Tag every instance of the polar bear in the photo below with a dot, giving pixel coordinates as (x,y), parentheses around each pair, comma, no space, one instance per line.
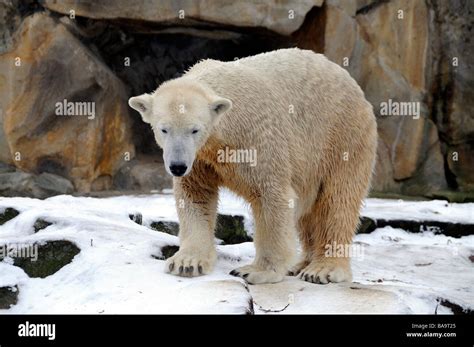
(314,137)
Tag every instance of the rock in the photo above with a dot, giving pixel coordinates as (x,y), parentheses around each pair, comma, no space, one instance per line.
(382,179)
(395,196)
(8,297)
(430,175)
(167,252)
(348,6)
(171,228)
(221,296)
(102,183)
(52,256)
(340,23)
(37,186)
(137,218)
(452,70)
(8,214)
(455,308)
(366,225)
(416,226)
(364,6)
(311,34)
(16,184)
(451,79)
(6,168)
(411,59)
(403,59)
(142,175)
(81,147)
(392,52)
(53,184)
(405,157)
(41,224)
(389,58)
(231,230)
(307,298)
(281,16)
(452,196)
(413,148)
(460,158)
(9,21)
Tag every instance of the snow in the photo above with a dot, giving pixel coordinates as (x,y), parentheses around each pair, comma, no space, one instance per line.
(434,210)
(117,270)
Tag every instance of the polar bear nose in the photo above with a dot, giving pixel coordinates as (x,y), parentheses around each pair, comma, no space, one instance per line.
(178,169)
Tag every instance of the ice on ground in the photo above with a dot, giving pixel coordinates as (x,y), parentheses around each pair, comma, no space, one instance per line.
(118,270)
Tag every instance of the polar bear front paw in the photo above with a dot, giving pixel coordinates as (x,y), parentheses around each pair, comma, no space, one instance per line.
(256,275)
(295,269)
(323,271)
(187,263)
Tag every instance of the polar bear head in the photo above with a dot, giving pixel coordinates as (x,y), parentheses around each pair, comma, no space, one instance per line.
(182,115)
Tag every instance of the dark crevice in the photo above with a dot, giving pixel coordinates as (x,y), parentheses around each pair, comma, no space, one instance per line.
(441,91)
(311,34)
(457,230)
(51,165)
(451,179)
(455,308)
(29,7)
(371,6)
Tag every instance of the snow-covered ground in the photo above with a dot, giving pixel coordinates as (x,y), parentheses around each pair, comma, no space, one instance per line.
(117,270)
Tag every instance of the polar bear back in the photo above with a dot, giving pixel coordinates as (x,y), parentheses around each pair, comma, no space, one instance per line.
(291,79)
(290,99)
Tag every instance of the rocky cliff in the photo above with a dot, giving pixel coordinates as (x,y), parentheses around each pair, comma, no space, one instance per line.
(413,59)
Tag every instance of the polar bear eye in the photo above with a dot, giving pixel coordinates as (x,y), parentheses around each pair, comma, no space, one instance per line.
(195,131)
(164,131)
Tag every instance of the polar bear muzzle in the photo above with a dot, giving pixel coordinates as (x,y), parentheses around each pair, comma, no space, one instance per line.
(178,169)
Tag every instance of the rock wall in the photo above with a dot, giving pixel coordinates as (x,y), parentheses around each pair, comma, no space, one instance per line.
(400,51)
(408,51)
(283,17)
(48,65)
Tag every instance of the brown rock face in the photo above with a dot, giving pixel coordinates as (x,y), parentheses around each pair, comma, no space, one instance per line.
(388,61)
(460,158)
(281,16)
(390,55)
(451,78)
(9,21)
(340,22)
(86,139)
(385,45)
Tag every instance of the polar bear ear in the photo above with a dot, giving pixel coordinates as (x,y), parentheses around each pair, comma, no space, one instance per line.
(220,106)
(142,104)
